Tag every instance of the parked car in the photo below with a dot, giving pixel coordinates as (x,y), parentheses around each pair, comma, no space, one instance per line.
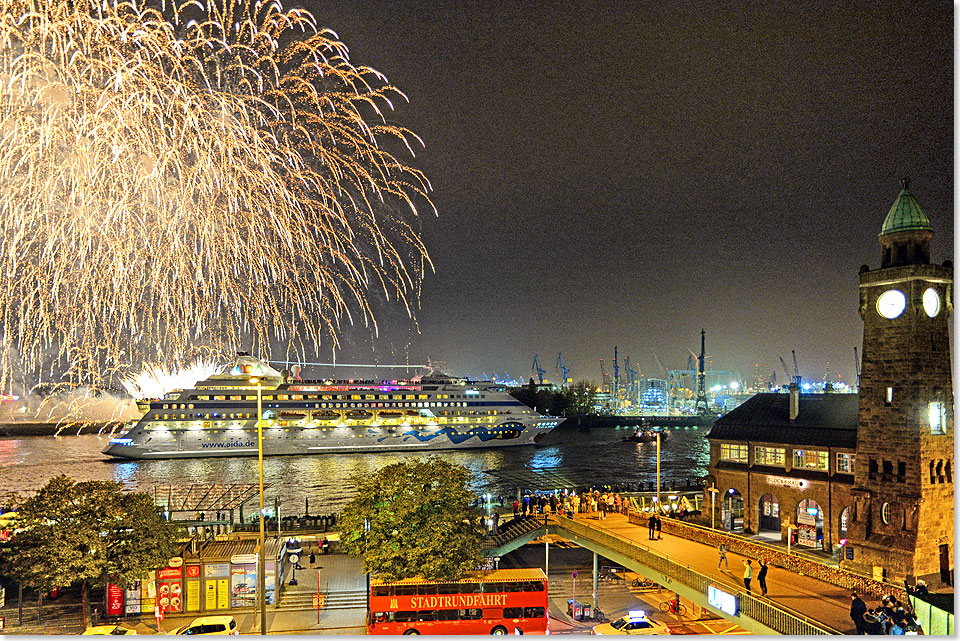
(636,622)
(109,629)
(209,625)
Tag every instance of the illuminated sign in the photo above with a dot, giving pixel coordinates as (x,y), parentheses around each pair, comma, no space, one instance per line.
(785,482)
(721,600)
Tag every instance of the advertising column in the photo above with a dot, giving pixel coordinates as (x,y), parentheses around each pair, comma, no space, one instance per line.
(170,587)
(216,588)
(114,600)
(193,588)
(243,580)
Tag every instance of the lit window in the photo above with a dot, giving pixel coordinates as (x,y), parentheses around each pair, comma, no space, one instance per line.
(885,513)
(938,417)
(845,462)
(811,459)
(736,453)
(769,456)
(889,397)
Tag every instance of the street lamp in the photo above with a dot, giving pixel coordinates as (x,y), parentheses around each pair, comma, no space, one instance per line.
(261,580)
(658,467)
(713,505)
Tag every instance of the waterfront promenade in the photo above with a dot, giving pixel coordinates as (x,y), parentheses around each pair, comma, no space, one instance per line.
(821,601)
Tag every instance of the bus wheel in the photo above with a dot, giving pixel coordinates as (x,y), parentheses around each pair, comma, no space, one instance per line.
(499,631)
(411,631)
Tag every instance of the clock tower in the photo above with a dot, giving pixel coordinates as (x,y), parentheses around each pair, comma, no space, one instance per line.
(902,518)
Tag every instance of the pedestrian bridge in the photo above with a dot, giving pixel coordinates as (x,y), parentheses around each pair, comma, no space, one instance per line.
(718,592)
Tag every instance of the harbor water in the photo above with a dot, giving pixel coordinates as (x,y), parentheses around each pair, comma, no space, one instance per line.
(579,456)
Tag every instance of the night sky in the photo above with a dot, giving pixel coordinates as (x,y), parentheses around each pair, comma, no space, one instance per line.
(629,173)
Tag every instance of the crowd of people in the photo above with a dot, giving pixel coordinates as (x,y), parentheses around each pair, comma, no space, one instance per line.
(889,617)
(570,503)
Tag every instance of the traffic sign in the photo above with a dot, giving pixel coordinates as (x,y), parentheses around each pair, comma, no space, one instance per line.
(319,601)
(574,574)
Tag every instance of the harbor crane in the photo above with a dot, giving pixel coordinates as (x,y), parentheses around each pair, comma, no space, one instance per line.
(785,368)
(660,363)
(604,378)
(796,369)
(701,378)
(616,379)
(539,371)
(561,370)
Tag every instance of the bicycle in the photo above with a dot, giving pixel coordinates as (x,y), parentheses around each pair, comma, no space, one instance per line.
(599,616)
(672,607)
(645,584)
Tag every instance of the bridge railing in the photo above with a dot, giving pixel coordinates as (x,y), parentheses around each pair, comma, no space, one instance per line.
(514,529)
(776,617)
(775,556)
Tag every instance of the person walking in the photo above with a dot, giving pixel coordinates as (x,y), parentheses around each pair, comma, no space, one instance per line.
(747,574)
(652,524)
(659,525)
(722,549)
(762,576)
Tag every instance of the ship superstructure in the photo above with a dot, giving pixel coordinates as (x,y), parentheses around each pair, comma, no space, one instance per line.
(218,417)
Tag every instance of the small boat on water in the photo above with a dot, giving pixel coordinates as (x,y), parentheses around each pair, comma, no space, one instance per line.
(644,436)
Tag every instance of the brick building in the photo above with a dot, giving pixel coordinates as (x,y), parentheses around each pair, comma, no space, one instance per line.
(872,471)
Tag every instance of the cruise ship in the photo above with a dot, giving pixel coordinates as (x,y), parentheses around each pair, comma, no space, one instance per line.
(218,417)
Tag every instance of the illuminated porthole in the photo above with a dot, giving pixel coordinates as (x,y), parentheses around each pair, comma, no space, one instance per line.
(885,513)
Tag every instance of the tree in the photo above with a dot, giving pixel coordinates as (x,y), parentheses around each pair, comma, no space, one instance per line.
(90,532)
(413,519)
(583,394)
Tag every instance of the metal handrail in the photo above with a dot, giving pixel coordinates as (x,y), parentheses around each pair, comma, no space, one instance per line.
(777,617)
(890,587)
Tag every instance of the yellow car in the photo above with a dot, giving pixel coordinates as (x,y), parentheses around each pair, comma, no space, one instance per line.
(209,625)
(109,629)
(636,622)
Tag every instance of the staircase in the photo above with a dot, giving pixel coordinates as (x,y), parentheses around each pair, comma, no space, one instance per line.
(514,533)
(296,599)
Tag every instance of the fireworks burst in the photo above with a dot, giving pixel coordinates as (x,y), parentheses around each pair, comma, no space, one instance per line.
(156,380)
(182,174)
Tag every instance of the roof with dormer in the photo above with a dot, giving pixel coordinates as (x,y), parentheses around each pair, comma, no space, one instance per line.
(906,213)
(828,420)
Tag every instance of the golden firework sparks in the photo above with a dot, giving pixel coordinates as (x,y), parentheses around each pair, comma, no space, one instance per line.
(175,174)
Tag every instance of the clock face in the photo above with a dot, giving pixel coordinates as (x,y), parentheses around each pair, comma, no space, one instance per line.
(931,302)
(891,303)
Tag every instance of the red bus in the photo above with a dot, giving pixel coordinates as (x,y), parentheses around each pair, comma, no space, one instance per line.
(483,602)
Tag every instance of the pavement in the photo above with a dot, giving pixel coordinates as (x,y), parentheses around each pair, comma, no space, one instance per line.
(817,599)
(615,597)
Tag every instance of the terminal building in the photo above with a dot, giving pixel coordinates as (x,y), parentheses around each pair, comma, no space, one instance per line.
(868,476)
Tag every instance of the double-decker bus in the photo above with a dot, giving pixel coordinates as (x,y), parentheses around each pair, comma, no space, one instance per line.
(484,602)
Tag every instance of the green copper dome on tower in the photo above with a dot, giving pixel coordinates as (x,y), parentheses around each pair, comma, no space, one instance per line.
(906,214)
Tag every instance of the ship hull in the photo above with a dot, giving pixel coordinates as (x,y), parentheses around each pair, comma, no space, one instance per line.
(313,441)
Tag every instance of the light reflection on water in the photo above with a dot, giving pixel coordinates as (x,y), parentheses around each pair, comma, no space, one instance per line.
(586,457)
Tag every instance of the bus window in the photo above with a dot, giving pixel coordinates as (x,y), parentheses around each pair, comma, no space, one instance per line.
(405,615)
(493,613)
(448,615)
(427,615)
(534,613)
(383,590)
(512,613)
(406,590)
(427,588)
(532,586)
(494,587)
(471,613)
(512,587)
(469,588)
(379,617)
(448,588)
